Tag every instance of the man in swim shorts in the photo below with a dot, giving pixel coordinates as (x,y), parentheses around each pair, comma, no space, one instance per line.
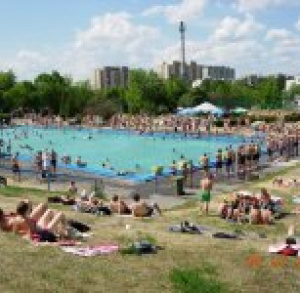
(205,196)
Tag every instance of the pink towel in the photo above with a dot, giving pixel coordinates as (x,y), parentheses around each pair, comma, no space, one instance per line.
(92,250)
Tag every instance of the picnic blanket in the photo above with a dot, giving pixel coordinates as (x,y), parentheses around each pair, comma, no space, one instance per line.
(91,250)
(288,250)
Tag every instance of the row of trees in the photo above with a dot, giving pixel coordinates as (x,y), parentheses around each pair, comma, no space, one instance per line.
(146,93)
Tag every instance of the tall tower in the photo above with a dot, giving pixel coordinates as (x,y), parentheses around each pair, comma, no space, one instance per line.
(182,29)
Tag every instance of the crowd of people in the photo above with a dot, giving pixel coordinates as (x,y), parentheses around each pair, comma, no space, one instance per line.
(252,208)
(173,123)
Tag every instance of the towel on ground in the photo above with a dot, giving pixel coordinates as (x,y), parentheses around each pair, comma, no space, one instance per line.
(91,250)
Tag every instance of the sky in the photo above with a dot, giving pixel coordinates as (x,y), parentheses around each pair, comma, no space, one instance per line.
(77,36)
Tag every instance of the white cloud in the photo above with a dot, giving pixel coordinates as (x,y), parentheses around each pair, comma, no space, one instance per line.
(235,28)
(297,25)
(185,10)
(251,5)
(110,39)
(278,34)
(27,63)
(114,38)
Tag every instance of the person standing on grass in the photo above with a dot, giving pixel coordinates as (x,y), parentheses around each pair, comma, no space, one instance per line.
(206,186)
(15,165)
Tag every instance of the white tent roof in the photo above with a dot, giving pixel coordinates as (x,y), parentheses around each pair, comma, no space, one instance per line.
(207,107)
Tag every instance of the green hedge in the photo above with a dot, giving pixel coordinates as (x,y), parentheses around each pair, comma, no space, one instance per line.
(6,117)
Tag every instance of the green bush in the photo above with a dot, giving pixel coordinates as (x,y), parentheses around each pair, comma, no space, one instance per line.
(196,281)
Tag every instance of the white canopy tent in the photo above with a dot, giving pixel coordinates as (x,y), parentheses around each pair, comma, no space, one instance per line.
(207,108)
(202,108)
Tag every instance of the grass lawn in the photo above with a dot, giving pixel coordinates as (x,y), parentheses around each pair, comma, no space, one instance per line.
(187,263)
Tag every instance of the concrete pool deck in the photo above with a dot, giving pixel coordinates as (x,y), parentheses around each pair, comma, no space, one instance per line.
(163,191)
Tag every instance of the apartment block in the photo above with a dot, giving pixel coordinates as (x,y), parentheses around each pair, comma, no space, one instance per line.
(195,71)
(109,77)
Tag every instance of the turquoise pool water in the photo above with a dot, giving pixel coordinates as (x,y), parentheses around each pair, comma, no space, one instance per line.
(123,150)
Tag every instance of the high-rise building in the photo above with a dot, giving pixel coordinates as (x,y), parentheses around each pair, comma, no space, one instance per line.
(195,71)
(109,77)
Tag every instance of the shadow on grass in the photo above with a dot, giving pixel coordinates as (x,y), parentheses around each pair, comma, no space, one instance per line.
(196,280)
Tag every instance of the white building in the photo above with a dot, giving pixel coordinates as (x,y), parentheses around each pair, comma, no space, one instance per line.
(292,82)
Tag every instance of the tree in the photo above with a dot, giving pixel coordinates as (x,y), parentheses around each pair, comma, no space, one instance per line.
(21,95)
(146,93)
(52,90)
(175,88)
(270,96)
(7,80)
(194,97)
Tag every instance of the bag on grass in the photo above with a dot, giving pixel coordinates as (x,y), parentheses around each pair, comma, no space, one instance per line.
(141,247)
(83,228)
(54,199)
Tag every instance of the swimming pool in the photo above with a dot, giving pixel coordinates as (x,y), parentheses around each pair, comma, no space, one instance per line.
(120,150)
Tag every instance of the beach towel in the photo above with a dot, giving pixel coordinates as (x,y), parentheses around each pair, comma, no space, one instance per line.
(64,243)
(284,249)
(91,250)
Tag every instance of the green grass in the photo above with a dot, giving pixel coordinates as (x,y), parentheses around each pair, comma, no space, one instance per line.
(197,280)
(188,263)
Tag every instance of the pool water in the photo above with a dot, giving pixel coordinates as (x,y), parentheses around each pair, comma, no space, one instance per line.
(123,150)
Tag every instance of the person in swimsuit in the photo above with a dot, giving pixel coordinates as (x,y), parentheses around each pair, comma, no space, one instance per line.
(205,163)
(15,165)
(119,206)
(40,222)
(5,224)
(53,161)
(206,186)
(219,162)
(140,208)
(241,161)
(228,161)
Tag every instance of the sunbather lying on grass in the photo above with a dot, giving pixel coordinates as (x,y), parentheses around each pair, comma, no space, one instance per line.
(119,206)
(290,183)
(38,224)
(140,208)
(91,204)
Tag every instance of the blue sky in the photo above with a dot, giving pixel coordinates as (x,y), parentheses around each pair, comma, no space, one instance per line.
(76,36)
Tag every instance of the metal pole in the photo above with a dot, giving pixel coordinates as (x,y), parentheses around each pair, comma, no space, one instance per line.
(48,180)
(182,35)
(155,185)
